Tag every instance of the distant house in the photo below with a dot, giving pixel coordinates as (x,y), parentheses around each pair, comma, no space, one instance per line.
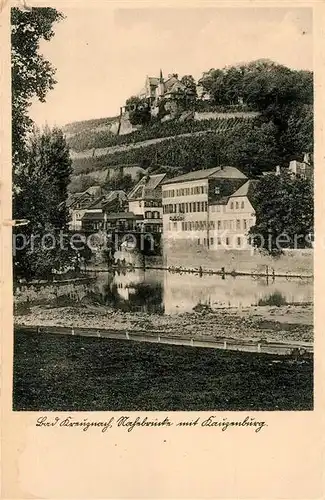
(156,88)
(78,203)
(95,217)
(302,168)
(145,199)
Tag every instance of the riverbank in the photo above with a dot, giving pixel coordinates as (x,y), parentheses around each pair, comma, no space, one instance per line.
(265,323)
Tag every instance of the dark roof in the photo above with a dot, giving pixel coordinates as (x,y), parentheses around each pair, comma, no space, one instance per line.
(108,198)
(124,215)
(146,186)
(93,216)
(112,216)
(215,172)
(221,201)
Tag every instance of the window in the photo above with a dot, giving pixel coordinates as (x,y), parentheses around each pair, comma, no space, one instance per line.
(148,215)
(227,241)
(198,206)
(217,190)
(175,226)
(239,241)
(198,241)
(232,205)
(237,224)
(237,205)
(186,207)
(242,204)
(245,223)
(183,226)
(204,241)
(211,241)
(194,206)
(219,224)
(218,241)
(205,203)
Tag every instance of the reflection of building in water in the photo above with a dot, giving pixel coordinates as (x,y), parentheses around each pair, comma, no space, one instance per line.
(184,291)
(126,282)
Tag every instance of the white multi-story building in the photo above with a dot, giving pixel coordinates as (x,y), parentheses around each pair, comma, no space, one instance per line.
(211,207)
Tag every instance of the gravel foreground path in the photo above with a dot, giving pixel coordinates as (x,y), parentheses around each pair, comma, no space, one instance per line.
(278,324)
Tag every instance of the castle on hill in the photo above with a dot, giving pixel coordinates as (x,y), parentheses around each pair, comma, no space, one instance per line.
(156,88)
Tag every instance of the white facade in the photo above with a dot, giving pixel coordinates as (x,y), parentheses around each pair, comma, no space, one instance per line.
(188,215)
(185,202)
(230,223)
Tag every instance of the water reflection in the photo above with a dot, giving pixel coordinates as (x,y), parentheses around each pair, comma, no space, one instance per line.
(161,291)
(129,291)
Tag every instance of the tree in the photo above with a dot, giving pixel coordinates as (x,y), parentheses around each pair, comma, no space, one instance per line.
(139,111)
(120,182)
(32,75)
(190,85)
(284,210)
(45,176)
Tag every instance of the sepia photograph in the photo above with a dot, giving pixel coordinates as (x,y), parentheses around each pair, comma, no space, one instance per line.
(163,208)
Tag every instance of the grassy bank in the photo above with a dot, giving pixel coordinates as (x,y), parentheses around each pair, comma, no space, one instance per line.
(73,374)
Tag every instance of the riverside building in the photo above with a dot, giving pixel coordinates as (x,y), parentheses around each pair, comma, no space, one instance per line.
(210,207)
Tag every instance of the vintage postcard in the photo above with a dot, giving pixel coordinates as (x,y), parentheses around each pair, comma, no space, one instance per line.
(162,244)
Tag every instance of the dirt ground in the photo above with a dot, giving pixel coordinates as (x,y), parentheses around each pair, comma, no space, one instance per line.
(284,323)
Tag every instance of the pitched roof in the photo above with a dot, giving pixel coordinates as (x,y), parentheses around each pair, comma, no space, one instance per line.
(146,186)
(215,172)
(108,198)
(176,87)
(92,190)
(246,189)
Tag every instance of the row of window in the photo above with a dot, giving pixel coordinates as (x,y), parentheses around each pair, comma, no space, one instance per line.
(171,193)
(152,203)
(227,241)
(152,215)
(183,208)
(239,225)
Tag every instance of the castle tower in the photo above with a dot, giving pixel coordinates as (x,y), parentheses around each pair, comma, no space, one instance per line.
(161,86)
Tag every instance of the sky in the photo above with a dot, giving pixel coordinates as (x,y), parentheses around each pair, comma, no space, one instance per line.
(102,55)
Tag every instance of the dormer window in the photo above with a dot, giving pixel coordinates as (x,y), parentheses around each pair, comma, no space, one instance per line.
(217,190)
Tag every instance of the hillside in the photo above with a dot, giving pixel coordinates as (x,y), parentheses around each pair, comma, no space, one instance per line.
(154,144)
(257,116)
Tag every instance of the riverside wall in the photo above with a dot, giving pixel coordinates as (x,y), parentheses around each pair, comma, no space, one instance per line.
(189,255)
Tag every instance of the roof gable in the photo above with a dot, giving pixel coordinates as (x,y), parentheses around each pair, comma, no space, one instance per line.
(216,172)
